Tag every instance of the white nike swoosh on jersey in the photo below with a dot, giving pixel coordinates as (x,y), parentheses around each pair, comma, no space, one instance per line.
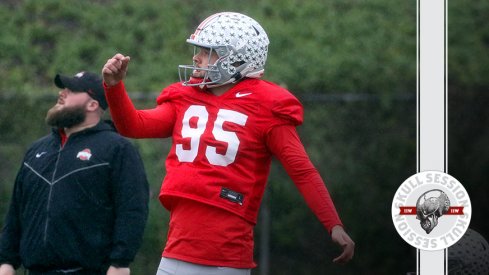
(238,94)
(38,155)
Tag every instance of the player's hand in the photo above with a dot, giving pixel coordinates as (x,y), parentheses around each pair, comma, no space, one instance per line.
(339,236)
(7,269)
(115,69)
(118,270)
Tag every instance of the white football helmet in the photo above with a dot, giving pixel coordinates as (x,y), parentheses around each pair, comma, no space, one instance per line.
(240,43)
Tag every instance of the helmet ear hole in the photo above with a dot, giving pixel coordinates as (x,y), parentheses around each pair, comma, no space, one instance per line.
(238,63)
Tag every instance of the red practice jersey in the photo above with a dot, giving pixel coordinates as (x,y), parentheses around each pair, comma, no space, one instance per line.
(219,154)
(219,163)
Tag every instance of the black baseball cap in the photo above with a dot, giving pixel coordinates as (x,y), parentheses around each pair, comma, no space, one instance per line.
(87,82)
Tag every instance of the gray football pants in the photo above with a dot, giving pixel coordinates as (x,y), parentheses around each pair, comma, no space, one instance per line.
(176,267)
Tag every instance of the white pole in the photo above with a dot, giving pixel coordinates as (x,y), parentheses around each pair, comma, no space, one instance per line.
(432,108)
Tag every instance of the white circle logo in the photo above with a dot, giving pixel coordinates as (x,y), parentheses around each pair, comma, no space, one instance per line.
(431,210)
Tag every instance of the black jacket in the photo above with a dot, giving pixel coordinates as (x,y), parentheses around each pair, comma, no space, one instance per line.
(83,205)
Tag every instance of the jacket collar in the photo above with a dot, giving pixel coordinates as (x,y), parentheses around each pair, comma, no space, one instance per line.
(103,125)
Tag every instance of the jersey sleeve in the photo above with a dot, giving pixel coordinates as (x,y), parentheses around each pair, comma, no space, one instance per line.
(168,94)
(285,107)
(130,122)
(284,143)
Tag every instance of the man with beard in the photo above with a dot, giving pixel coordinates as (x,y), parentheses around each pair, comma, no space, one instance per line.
(80,199)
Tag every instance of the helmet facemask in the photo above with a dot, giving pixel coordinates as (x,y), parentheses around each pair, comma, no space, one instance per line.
(212,74)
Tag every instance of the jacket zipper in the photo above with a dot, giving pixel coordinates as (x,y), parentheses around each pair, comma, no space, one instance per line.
(51,184)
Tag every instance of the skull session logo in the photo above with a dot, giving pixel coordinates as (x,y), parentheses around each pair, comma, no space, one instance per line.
(428,210)
(431,210)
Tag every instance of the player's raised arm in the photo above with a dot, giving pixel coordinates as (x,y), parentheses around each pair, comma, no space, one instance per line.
(130,122)
(115,69)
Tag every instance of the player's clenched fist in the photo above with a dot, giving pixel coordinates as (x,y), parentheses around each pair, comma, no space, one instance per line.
(115,69)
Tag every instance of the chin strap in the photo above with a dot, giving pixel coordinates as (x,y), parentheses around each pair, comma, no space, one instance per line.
(235,78)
